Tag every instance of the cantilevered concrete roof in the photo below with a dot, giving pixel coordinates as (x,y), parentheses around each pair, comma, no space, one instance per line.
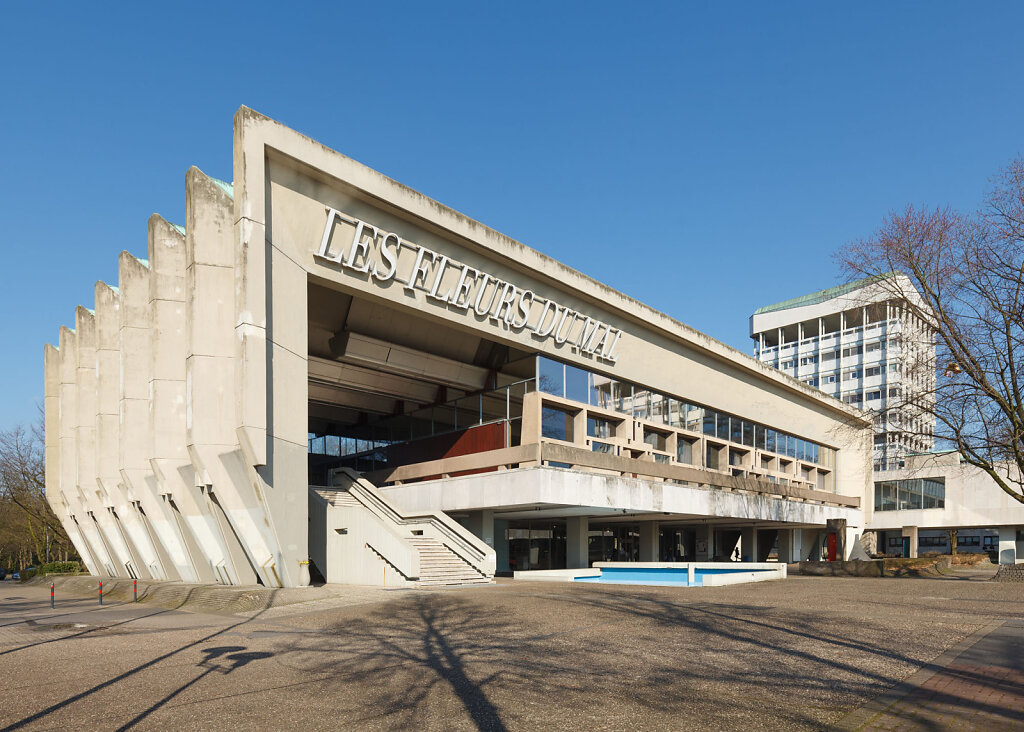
(822,295)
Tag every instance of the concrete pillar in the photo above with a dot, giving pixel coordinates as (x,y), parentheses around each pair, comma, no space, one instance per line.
(911,531)
(135,442)
(169,455)
(577,542)
(95,497)
(798,552)
(481,523)
(649,535)
(1008,549)
(748,544)
(704,543)
(248,503)
(501,545)
(108,426)
(271,346)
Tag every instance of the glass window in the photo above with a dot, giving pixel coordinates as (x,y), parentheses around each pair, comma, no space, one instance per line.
(709,421)
(723,426)
(622,396)
(641,403)
(694,417)
(552,376)
(711,458)
(577,384)
(556,424)
(597,427)
(659,408)
(684,452)
(770,440)
(656,440)
(736,431)
(759,437)
(600,391)
(604,447)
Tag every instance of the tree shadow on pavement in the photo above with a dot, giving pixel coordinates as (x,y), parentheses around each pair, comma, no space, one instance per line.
(134,671)
(444,661)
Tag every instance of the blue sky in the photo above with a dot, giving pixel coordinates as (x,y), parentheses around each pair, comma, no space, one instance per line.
(704,158)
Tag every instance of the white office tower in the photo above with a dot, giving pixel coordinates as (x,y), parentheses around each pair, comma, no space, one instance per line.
(859,343)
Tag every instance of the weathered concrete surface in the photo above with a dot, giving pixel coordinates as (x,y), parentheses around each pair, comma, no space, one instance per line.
(795,655)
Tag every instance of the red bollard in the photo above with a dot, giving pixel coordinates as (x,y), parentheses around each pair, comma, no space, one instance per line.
(101,593)
(51,596)
(135,590)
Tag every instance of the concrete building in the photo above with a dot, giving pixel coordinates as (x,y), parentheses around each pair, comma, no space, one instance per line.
(860,344)
(322,364)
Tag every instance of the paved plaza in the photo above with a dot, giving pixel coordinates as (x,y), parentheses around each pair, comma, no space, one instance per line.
(804,653)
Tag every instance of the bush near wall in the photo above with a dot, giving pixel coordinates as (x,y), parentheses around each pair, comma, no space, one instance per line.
(27,574)
(60,568)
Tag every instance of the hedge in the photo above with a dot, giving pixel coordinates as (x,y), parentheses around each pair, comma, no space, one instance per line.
(60,568)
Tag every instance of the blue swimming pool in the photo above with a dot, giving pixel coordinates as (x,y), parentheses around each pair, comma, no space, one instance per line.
(660,576)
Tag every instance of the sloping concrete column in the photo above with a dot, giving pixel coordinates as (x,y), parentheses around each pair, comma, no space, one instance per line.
(170,459)
(271,323)
(577,542)
(108,426)
(135,442)
(59,502)
(95,498)
(77,508)
(237,490)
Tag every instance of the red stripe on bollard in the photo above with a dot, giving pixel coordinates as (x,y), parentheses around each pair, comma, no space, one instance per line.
(101,593)
(51,596)
(135,590)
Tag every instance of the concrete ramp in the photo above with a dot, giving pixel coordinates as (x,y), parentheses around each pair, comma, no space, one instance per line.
(356,536)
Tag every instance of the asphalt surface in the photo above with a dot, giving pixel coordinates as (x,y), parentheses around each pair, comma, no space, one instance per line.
(795,654)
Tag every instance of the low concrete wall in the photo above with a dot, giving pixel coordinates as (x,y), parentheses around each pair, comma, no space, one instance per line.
(757,571)
(739,578)
(554,575)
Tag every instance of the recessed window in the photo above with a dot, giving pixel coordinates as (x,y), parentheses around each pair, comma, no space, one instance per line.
(556,424)
(597,427)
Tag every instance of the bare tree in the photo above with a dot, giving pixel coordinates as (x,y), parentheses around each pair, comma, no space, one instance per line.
(28,526)
(960,281)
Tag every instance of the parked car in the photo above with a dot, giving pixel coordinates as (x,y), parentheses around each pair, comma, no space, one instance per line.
(16,576)
(3,574)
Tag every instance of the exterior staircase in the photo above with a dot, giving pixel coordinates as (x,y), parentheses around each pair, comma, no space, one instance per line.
(440,566)
(359,537)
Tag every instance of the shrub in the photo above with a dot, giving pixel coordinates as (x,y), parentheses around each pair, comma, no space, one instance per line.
(27,574)
(59,568)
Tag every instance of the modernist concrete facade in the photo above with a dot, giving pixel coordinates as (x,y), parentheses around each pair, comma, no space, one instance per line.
(323,364)
(858,343)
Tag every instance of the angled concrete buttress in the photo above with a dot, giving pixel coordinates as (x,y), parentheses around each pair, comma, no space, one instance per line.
(108,419)
(221,468)
(135,434)
(224,560)
(60,504)
(96,501)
